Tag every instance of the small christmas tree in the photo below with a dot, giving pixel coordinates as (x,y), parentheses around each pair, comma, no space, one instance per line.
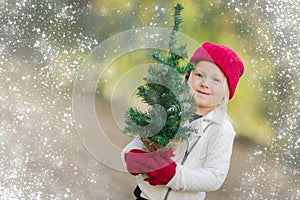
(161,125)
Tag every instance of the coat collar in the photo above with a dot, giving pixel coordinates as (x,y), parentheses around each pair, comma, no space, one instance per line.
(216,116)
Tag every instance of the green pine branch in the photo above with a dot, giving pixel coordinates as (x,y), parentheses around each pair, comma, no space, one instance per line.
(177,108)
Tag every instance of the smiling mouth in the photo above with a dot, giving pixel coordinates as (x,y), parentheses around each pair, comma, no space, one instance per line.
(205,93)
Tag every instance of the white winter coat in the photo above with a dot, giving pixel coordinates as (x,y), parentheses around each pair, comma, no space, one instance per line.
(206,166)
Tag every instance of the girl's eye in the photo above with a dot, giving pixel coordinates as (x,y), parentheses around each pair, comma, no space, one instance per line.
(217,80)
(199,75)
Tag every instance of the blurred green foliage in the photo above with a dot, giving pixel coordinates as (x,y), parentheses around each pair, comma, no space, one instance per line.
(206,20)
(58,35)
(202,21)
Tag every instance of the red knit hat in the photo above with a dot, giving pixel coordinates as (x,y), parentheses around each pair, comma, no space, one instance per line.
(225,58)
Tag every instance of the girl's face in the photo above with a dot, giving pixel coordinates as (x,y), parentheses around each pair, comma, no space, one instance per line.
(208,86)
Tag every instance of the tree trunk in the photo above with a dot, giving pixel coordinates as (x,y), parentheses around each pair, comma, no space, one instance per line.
(151,145)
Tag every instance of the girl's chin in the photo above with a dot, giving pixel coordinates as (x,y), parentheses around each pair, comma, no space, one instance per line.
(203,103)
(203,98)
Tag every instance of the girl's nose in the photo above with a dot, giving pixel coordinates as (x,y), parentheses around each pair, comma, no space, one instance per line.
(204,83)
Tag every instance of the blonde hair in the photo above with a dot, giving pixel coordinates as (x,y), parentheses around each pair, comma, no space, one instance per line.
(224,102)
(222,107)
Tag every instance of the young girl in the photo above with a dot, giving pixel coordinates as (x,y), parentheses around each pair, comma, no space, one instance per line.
(200,163)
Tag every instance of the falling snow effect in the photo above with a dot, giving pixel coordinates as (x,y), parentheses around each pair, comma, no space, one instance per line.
(41,155)
(42,45)
(277,40)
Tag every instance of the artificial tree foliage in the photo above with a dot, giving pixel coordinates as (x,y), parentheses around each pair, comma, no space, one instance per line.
(167,95)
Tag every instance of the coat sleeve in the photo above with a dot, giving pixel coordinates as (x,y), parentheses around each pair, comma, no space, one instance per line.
(136,143)
(211,175)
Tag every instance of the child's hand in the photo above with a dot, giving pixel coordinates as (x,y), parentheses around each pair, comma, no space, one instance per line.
(158,166)
(161,168)
(134,161)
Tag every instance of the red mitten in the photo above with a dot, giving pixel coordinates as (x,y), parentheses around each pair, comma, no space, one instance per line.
(161,169)
(165,154)
(135,160)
